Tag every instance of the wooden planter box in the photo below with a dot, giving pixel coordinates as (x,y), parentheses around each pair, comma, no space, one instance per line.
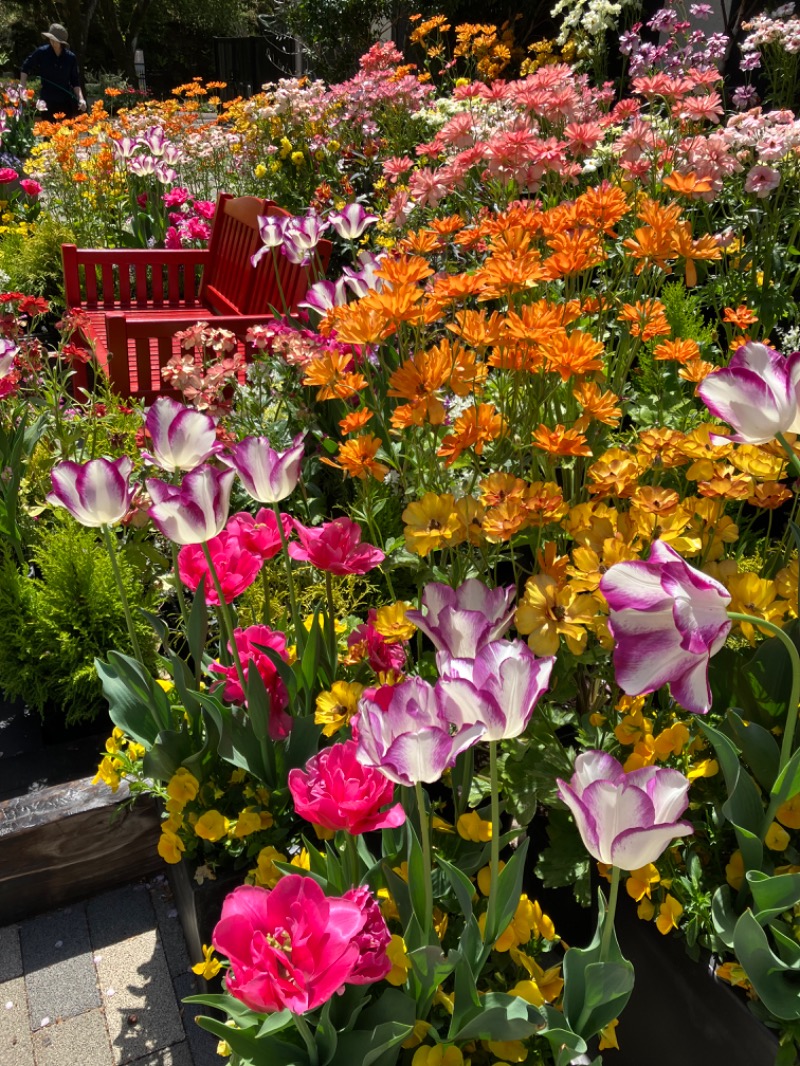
(199,906)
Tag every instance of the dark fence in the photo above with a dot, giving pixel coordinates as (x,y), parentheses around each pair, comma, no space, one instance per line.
(246,63)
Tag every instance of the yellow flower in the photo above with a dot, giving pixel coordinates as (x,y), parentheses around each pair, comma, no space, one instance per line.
(432,523)
(260,171)
(170,847)
(754,595)
(209,967)
(115,741)
(705,768)
(135,751)
(608,1036)
(669,915)
(267,873)
(183,786)
(734,871)
(396,952)
(302,860)
(471,826)
(777,839)
(286,147)
(211,825)
(549,982)
(528,921)
(108,773)
(391,622)
(484,877)
(439,1055)
(167,686)
(418,1034)
(788,813)
(298,159)
(337,706)
(548,612)
(646,909)
(639,882)
(508,1050)
(249,821)
(671,741)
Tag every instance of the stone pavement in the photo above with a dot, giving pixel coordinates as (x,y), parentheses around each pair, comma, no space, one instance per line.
(100,983)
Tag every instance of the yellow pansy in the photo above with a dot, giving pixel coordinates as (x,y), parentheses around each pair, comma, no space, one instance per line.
(608,1036)
(669,915)
(170,848)
(401,964)
(704,768)
(418,1034)
(211,825)
(209,967)
(777,839)
(439,1055)
(183,786)
(484,877)
(302,860)
(108,773)
(734,871)
(249,821)
(508,1050)
(391,622)
(267,873)
(639,883)
(471,826)
(337,706)
(788,813)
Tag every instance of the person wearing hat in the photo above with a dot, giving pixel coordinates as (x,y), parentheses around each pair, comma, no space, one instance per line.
(58,69)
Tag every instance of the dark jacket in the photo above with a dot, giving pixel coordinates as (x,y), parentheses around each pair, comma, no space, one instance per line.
(59,76)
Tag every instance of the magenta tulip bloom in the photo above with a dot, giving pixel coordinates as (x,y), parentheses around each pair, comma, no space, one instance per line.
(758,393)
(268,476)
(499,688)
(460,621)
(337,792)
(293,947)
(336,547)
(412,732)
(236,568)
(625,820)
(667,620)
(196,510)
(259,535)
(373,962)
(96,493)
(182,437)
(250,644)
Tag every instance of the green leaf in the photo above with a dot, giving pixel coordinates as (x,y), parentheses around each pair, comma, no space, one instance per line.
(758,747)
(769,672)
(136,704)
(500,1017)
(169,752)
(245,1044)
(773,895)
(506,899)
(723,916)
(416,876)
(786,786)
(743,807)
(197,629)
(361,1048)
(776,984)
(275,1023)
(564,861)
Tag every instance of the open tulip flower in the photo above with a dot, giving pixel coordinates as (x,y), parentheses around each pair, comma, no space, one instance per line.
(460,621)
(412,732)
(268,476)
(97,493)
(196,510)
(626,819)
(757,393)
(499,688)
(667,620)
(182,437)
(336,547)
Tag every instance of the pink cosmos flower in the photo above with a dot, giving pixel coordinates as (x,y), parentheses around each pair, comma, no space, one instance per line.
(762,181)
(293,947)
(336,547)
(625,820)
(667,620)
(249,644)
(460,621)
(337,792)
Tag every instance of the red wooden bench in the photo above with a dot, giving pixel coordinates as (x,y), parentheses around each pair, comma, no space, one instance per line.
(136,300)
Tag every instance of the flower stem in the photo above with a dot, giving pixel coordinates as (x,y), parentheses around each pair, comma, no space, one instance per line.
(494,849)
(794,699)
(179,587)
(427,865)
(608,924)
(225,619)
(351,853)
(298,630)
(331,621)
(793,459)
(126,607)
(308,1038)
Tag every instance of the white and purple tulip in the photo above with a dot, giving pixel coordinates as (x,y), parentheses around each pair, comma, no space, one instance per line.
(365,279)
(268,476)
(154,139)
(625,819)
(460,621)
(301,236)
(182,437)
(97,493)
(271,230)
(351,222)
(325,295)
(667,620)
(8,354)
(194,511)
(411,732)
(125,147)
(499,688)
(757,393)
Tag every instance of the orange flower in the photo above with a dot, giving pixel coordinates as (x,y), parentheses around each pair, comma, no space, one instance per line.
(573,252)
(677,351)
(473,429)
(647,318)
(726,483)
(357,458)
(769,495)
(574,355)
(405,270)
(601,406)
(402,303)
(500,523)
(497,488)
(696,370)
(331,375)
(475,329)
(560,441)
(357,323)
(742,317)
(688,184)
(616,473)
(355,421)
(602,207)
(471,514)
(422,242)
(418,380)
(691,251)
(544,503)
(659,448)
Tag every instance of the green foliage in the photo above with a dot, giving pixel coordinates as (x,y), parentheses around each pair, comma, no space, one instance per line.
(683,311)
(32,264)
(334,55)
(54,624)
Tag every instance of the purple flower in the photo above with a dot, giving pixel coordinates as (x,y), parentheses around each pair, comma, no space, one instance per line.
(271,229)
(499,688)
(351,222)
(460,621)
(301,236)
(154,140)
(267,475)
(96,493)
(757,393)
(625,820)
(762,181)
(667,620)
(196,510)
(125,147)
(8,354)
(182,437)
(324,295)
(373,962)
(411,732)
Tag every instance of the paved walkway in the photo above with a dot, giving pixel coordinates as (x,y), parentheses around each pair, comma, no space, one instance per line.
(100,983)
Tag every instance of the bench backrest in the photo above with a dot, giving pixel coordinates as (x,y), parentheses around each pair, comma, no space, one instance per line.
(234,240)
(279,284)
(122,279)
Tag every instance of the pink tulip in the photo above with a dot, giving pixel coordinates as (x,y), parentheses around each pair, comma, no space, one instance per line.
(182,437)
(336,547)
(499,688)
(373,962)
(382,655)
(30,187)
(259,535)
(268,476)
(196,510)
(625,820)
(236,568)
(96,493)
(293,947)
(758,393)
(249,644)
(337,792)
(667,620)
(412,732)
(460,621)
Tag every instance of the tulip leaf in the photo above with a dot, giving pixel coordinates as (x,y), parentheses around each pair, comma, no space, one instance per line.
(237,742)
(465,995)
(197,628)
(564,1044)
(786,786)
(743,807)
(303,742)
(325,1036)
(769,673)
(363,1048)
(506,899)
(245,1044)
(274,1023)
(416,877)
(758,747)
(398,890)
(169,752)
(788,948)
(773,895)
(259,710)
(136,704)
(723,916)
(461,885)
(499,1017)
(284,671)
(776,984)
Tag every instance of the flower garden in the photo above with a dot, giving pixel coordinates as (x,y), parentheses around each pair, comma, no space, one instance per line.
(468,591)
